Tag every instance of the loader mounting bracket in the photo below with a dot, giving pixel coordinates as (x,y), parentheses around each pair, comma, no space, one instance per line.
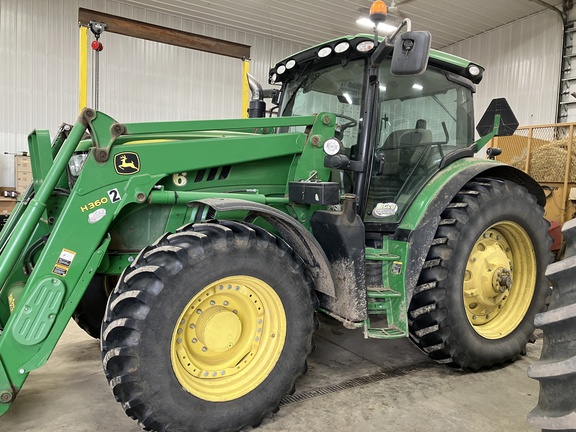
(104,133)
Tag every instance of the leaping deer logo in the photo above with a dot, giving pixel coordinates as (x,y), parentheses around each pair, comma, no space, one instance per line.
(127,163)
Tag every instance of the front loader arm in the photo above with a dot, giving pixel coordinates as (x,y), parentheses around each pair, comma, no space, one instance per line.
(122,169)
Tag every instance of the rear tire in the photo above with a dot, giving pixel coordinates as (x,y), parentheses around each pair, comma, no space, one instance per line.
(208,329)
(481,284)
(556,370)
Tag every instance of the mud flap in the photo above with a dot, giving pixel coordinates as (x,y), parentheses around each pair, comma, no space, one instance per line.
(341,235)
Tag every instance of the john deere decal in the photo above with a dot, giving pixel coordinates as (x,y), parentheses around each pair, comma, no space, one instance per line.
(126,163)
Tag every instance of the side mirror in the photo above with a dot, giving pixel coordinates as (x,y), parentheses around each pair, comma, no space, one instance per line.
(411,51)
(507,123)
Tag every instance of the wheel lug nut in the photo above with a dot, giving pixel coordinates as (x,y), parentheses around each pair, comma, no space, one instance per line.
(204,349)
(194,340)
(212,302)
(225,303)
(199,311)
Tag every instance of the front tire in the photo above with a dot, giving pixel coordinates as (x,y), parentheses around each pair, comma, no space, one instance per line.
(208,329)
(483,280)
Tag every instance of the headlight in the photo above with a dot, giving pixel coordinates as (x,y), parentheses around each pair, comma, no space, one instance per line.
(76,163)
(332,146)
(74,167)
(341,47)
(365,46)
(324,52)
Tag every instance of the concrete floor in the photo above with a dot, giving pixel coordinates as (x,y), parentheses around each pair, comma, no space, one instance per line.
(406,392)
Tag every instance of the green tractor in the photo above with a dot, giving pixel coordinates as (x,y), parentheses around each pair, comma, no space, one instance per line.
(200,251)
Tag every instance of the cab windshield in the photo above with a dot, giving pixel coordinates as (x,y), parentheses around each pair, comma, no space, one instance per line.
(338,89)
(421,119)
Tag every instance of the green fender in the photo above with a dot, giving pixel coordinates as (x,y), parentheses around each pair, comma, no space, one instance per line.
(292,231)
(419,225)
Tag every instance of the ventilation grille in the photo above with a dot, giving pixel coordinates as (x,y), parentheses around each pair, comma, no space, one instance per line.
(217,173)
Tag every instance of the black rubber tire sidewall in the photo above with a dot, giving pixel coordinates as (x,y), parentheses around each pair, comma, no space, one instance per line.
(92,306)
(505,201)
(158,385)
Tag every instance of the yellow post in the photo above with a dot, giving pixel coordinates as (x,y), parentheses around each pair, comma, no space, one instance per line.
(529,150)
(83,68)
(245,88)
(567,174)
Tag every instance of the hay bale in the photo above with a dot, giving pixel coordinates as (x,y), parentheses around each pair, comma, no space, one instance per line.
(548,161)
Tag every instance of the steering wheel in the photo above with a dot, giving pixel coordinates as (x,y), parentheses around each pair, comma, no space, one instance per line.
(351,122)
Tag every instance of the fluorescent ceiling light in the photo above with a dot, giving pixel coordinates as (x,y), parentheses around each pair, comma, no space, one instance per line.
(382,88)
(417,86)
(382,27)
(348,98)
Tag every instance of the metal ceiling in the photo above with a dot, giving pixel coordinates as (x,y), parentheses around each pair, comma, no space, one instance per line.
(311,22)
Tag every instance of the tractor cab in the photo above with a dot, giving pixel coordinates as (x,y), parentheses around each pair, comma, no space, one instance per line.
(395,128)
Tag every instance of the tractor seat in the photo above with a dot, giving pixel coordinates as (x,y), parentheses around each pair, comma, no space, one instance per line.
(408,137)
(404,146)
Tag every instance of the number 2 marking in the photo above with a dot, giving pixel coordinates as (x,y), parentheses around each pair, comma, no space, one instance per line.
(114,195)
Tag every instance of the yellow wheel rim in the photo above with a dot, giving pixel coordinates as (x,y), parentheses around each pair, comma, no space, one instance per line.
(228,338)
(499,280)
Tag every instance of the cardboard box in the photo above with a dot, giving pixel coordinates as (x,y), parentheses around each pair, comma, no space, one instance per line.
(23,178)
(22,172)
(21,188)
(22,164)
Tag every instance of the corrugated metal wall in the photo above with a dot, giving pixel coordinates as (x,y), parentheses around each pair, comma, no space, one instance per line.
(522,62)
(142,80)
(139,80)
